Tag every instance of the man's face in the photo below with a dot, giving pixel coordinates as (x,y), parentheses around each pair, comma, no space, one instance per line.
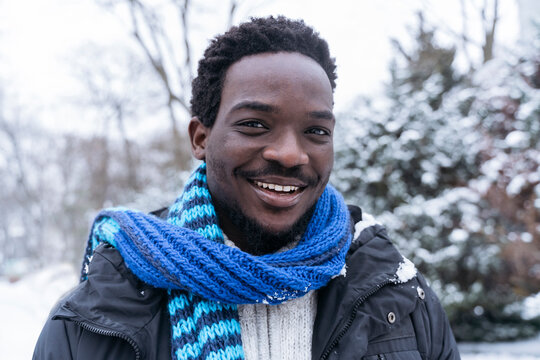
(269,153)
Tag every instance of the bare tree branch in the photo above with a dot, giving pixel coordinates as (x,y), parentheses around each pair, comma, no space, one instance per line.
(13,139)
(400,48)
(155,60)
(442,25)
(187,46)
(490,27)
(232,12)
(464,34)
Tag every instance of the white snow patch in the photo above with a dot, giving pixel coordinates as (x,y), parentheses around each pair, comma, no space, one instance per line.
(528,109)
(484,76)
(405,272)
(517,139)
(374,175)
(516,185)
(25,305)
(498,356)
(393,126)
(511,350)
(429,178)
(458,235)
(410,135)
(527,237)
(492,167)
(481,185)
(343,272)
(367,221)
(531,307)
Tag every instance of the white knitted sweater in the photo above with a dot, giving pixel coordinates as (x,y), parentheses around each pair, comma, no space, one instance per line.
(278,331)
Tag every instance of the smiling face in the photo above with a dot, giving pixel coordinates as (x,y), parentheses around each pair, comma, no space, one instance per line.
(269,153)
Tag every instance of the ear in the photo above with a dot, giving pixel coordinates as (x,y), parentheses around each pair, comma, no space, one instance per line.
(198,135)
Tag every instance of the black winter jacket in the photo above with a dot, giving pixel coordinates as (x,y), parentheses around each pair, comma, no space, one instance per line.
(363,315)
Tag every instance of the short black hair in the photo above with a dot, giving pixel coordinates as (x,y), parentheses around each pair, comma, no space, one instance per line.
(259,35)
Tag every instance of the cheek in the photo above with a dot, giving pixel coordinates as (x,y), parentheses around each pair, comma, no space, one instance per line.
(322,161)
(233,151)
(223,156)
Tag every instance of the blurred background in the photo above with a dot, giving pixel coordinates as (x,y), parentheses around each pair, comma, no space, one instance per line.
(438,111)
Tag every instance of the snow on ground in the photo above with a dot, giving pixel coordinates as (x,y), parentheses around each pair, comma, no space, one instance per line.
(25,304)
(519,350)
(492,356)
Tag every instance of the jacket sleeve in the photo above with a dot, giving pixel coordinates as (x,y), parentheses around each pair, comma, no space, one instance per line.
(55,341)
(440,339)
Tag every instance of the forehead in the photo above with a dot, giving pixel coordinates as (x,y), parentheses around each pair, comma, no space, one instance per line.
(268,75)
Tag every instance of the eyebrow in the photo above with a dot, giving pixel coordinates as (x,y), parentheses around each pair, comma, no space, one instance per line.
(323,115)
(267,108)
(255,105)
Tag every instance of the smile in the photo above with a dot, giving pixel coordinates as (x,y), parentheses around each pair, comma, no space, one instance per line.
(282,195)
(276,187)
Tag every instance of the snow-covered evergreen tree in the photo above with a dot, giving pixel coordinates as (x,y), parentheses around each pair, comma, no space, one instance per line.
(450,162)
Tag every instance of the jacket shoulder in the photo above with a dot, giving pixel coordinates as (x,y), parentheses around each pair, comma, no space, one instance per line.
(160,213)
(105,315)
(63,339)
(382,305)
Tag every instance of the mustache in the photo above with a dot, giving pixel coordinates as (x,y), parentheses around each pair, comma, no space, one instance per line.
(278,170)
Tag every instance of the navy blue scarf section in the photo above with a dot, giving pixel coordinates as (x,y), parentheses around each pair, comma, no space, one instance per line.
(206,279)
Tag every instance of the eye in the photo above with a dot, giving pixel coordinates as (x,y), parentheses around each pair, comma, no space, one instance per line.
(318,131)
(252,124)
(251,127)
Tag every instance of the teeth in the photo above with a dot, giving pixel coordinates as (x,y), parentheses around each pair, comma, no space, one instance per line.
(275,187)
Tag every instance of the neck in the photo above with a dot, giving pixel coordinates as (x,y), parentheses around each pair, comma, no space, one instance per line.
(233,233)
(250,236)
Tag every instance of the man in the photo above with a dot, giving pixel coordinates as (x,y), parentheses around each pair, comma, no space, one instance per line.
(259,258)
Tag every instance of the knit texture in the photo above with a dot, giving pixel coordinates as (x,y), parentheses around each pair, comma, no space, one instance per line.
(205,278)
(282,331)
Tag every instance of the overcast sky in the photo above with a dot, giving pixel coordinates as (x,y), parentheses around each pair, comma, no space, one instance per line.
(38,39)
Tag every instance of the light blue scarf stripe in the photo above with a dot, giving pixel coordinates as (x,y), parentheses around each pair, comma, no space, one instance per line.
(211,232)
(229,353)
(201,309)
(178,303)
(223,328)
(196,192)
(197,212)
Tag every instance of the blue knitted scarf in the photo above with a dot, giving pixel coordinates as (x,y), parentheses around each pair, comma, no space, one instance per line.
(206,279)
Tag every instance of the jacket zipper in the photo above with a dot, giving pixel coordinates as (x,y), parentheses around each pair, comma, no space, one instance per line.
(349,323)
(112,333)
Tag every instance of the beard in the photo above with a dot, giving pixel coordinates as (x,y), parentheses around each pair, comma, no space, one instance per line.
(258,239)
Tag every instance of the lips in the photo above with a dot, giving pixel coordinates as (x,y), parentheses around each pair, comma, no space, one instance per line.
(277,187)
(278,193)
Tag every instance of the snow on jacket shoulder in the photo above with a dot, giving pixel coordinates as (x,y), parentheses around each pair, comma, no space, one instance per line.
(379,310)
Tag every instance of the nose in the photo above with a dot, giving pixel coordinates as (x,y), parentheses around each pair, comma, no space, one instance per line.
(287,150)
